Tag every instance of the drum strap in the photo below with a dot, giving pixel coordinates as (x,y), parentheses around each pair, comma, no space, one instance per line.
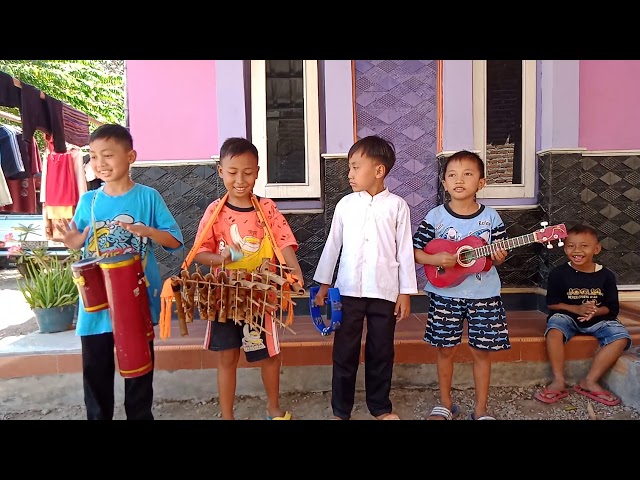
(93,224)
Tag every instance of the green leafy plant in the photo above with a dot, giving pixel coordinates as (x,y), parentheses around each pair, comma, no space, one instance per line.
(18,249)
(49,285)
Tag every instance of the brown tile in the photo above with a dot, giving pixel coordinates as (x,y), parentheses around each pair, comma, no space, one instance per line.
(209,359)
(69,363)
(533,350)
(514,354)
(168,359)
(580,348)
(28,365)
(300,356)
(415,353)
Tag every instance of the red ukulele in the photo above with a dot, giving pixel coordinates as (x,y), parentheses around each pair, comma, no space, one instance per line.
(474,254)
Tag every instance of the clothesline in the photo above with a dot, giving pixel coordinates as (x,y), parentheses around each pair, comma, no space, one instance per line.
(18,84)
(10,116)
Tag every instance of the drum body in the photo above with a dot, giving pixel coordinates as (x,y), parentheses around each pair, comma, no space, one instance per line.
(87,276)
(126,288)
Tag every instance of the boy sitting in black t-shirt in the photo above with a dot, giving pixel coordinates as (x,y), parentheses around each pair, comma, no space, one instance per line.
(582,297)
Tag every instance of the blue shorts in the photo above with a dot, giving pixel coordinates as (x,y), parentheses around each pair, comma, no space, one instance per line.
(606,331)
(486,318)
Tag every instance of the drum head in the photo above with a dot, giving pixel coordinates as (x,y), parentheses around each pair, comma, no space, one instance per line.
(123,257)
(84,262)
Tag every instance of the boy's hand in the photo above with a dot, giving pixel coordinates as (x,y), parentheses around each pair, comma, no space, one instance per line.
(403,307)
(445,259)
(321,296)
(226,253)
(139,230)
(499,256)
(71,236)
(586,311)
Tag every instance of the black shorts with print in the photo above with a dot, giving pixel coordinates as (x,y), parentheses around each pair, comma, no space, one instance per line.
(486,319)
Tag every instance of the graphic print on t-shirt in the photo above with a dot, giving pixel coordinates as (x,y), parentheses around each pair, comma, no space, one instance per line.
(115,240)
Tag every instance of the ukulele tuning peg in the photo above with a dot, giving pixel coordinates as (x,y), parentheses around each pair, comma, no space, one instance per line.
(549,246)
(544,224)
(560,243)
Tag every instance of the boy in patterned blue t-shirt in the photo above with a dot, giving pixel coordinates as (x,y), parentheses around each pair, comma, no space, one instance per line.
(477,297)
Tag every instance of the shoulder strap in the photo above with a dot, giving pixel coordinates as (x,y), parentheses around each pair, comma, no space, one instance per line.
(267,229)
(204,232)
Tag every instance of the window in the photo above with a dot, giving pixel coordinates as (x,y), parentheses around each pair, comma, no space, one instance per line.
(285,127)
(504,114)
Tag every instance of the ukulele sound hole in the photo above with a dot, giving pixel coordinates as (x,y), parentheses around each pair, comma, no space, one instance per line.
(465,256)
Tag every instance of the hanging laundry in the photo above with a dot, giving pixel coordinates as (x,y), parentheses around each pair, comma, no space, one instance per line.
(44,115)
(76,126)
(5,194)
(9,94)
(63,181)
(20,162)
(10,152)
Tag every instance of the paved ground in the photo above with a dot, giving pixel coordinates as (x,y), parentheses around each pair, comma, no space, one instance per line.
(17,318)
(22,398)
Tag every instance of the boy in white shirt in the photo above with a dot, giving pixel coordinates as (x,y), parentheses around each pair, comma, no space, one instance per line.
(371,232)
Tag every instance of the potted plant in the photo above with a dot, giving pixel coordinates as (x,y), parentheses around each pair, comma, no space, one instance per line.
(19,251)
(51,293)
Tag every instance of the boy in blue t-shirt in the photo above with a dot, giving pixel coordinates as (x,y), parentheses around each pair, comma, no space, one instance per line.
(477,297)
(120,217)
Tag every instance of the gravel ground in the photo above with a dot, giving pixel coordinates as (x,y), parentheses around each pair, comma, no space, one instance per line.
(410,404)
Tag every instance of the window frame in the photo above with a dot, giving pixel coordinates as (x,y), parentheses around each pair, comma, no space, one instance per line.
(311,188)
(519,190)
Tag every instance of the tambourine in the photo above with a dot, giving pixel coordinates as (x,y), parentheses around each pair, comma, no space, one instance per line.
(333,299)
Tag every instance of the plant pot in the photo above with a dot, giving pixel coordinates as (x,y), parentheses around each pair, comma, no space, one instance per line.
(23,268)
(56,319)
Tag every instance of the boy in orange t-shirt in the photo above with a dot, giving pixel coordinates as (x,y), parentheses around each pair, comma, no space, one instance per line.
(237,239)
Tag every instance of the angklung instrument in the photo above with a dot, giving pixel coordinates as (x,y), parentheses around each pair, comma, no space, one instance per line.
(242,295)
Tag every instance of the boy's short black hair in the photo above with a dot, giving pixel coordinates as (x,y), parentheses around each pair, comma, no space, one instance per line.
(581,228)
(235,146)
(378,148)
(117,132)
(464,155)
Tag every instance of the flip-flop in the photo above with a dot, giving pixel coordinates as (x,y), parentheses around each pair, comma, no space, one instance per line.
(482,417)
(598,396)
(550,396)
(287,416)
(444,412)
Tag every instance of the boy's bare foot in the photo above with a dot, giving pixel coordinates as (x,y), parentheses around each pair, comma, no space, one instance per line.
(388,416)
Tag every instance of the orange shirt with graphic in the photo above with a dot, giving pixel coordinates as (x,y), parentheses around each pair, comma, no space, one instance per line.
(242,226)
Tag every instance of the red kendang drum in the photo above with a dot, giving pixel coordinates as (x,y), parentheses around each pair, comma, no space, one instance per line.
(87,276)
(126,288)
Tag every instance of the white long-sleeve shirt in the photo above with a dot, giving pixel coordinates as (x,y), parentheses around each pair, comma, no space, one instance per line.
(374,234)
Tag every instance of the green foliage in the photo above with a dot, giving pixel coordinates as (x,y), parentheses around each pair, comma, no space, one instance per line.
(94,87)
(49,285)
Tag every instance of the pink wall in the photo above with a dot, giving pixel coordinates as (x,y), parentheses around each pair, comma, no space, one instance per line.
(172,108)
(609,105)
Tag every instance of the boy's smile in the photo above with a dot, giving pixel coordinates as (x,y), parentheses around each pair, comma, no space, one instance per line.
(580,249)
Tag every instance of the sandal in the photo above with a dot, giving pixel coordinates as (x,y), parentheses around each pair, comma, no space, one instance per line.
(287,416)
(444,412)
(482,417)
